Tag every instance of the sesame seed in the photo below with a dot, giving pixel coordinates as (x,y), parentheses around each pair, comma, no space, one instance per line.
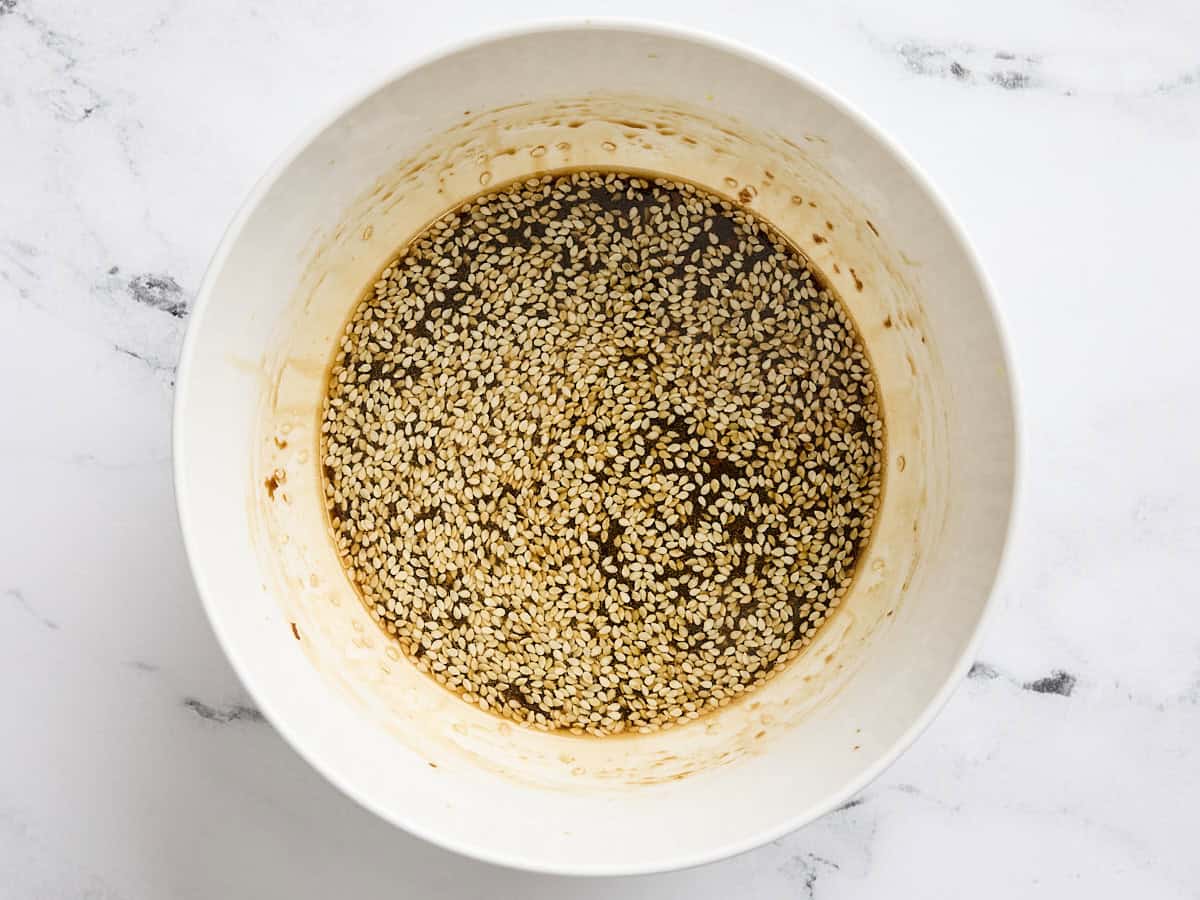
(600,452)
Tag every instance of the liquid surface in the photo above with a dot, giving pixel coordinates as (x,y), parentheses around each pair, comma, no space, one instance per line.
(601,451)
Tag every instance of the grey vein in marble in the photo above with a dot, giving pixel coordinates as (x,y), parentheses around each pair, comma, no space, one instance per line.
(19,255)
(851,804)
(74,100)
(973,65)
(969,64)
(19,597)
(964,62)
(158,292)
(984,671)
(223,715)
(1057,682)
(1184,81)
(165,303)
(807,868)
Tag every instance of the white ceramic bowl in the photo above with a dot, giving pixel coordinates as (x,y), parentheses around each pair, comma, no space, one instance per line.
(315,232)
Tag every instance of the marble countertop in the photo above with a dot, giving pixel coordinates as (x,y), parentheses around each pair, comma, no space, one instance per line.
(1067,138)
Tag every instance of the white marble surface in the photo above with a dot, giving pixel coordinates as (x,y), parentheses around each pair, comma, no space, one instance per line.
(1066,136)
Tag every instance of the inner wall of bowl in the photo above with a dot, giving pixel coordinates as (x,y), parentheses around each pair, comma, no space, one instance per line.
(784,182)
(248,485)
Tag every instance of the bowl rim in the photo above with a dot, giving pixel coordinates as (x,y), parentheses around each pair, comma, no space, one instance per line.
(327,119)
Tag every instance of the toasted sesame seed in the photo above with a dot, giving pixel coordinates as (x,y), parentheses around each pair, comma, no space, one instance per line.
(601,452)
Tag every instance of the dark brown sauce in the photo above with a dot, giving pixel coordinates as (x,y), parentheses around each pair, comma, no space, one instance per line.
(609,540)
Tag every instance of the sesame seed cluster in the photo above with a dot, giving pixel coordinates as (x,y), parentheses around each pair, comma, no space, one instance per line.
(600,451)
